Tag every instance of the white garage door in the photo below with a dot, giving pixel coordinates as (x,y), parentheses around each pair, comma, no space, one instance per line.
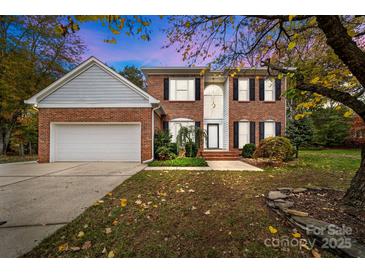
(96,142)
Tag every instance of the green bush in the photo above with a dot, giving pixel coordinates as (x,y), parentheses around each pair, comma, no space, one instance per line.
(248,150)
(191,149)
(164,153)
(276,148)
(173,148)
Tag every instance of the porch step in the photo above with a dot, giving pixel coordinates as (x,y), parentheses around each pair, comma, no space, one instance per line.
(221,158)
(220,155)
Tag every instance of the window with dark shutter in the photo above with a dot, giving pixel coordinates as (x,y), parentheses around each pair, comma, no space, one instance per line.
(235,134)
(235,89)
(166,89)
(252,133)
(252,89)
(262,89)
(261,130)
(277,128)
(197,88)
(277,89)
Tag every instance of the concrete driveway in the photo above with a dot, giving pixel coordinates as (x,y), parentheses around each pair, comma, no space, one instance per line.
(37,199)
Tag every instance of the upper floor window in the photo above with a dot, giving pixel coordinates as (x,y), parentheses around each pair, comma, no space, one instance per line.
(243,89)
(269,94)
(182,89)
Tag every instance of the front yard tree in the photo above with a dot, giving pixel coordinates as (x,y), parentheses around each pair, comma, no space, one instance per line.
(327,52)
(299,131)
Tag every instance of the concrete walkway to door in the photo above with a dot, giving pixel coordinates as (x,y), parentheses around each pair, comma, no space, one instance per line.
(37,199)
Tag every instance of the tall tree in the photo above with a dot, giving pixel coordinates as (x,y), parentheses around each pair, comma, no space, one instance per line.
(33,53)
(327,52)
(133,74)
(300,133)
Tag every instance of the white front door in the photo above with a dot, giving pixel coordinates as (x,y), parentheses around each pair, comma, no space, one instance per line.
(96,142)
(213,136)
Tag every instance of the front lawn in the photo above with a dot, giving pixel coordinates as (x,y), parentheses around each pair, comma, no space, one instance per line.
(11,158)
(186,161)
(196,213)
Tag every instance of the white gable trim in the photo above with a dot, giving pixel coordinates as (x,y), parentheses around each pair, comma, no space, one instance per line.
(35,100)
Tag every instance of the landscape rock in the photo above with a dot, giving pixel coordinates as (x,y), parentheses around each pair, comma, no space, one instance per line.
(274,195)
(285,189)
(296,212)
(299,190)
(283,204)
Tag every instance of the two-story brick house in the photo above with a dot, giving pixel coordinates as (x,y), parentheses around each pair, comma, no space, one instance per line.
(233,111)
(94,114)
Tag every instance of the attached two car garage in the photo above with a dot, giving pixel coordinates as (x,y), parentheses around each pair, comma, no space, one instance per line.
(95,142)
(94,114)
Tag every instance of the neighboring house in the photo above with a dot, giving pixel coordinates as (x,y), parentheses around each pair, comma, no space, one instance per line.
(94,114)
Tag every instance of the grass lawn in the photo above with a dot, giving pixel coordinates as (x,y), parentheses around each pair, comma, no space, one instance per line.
(187,161)
(196,214)
(11,159)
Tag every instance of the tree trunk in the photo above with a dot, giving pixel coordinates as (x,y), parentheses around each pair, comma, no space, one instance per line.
(355,195)
(296,151)
(30,148)
(21,149)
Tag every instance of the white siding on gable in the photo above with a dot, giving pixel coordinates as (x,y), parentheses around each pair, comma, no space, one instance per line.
(94,86)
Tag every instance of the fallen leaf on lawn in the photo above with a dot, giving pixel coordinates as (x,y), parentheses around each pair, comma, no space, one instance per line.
(305,246)
(139,196)
(296,235)
(123,202)
(111,254)
(207,212)
(110,194)
(272,230)
(86,225)
(63,247)
(100,201)
(316,253)
(191,190)
(163,200)
(115,222)
(86,245)
(104,250)
(271,176)
(75,248)
(138,202)
(181,190)
(81,234)
(108,230)
(193,208)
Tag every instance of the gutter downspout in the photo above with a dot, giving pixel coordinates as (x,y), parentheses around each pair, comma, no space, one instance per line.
(153,135)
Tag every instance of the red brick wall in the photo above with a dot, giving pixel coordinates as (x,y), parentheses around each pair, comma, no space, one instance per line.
(255,111)
(176,109)
(48,115)
(252,111)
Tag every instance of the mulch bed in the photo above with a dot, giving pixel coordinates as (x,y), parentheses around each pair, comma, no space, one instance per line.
(326,205)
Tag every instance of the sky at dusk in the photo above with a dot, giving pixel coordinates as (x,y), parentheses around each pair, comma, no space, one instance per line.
(130,50)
